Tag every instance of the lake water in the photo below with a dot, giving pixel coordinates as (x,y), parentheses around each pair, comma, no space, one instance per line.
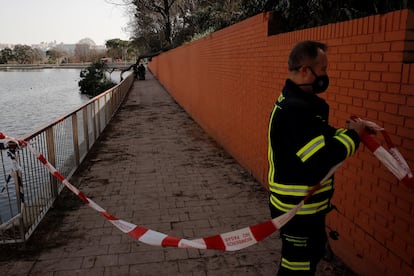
(30,99)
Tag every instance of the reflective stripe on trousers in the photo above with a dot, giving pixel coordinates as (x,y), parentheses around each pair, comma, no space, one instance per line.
(295,265)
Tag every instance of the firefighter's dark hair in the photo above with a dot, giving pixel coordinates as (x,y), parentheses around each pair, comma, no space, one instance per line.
(304,53)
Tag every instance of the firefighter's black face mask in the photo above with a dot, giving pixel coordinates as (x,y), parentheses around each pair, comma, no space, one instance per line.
(320,84)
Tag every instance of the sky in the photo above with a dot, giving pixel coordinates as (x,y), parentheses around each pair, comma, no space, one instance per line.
(68,21)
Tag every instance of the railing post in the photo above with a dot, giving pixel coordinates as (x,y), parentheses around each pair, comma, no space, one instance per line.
(116,98)
(116,94)
(50,144)
(113,101)
(17,178)
(98,115)
(95,124)
(85,127)
(106,109)
(75,138)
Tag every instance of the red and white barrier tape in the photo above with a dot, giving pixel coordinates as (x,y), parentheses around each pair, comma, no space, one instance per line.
(391,158)
(231,241)
(241,238)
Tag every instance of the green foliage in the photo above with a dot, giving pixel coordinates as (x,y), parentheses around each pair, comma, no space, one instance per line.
(25,54)
(94,80)
(203,34)
(119,49)
(116,43)
(6,55)
(55,55)
(321,12)
(153,24)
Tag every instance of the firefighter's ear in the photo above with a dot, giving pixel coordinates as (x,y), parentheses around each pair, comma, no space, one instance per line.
(306,70)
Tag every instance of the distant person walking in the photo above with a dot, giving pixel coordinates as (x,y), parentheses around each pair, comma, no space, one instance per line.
(141,72)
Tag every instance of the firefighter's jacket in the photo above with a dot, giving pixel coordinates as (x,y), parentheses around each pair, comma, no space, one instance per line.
(303,147)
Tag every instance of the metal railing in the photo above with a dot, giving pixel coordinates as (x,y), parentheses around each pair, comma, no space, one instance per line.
(65,143)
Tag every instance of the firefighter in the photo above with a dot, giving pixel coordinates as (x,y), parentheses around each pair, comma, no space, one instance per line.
(303,147)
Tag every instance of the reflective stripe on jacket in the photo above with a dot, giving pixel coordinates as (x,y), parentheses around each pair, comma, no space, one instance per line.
(303,147)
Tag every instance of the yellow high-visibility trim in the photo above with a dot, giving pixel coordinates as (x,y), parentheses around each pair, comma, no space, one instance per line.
(298,190)
(271,173)
(306,209)
(340,131)
(347,142)
(295,265)
(311,148)
(297,242)
(281,98)
(298,239)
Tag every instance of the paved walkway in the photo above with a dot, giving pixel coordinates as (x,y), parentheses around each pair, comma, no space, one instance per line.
(155,167)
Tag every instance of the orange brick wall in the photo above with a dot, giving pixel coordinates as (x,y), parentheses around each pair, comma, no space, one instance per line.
(229,81)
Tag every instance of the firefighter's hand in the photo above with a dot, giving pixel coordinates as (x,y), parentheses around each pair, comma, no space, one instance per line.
(361,126)
(356,124)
